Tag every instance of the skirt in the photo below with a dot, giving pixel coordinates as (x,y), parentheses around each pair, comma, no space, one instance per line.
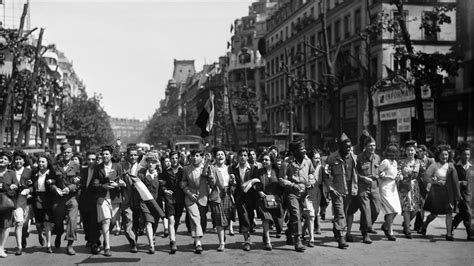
(224,212)
(411,200)
(266,214)
(437,201)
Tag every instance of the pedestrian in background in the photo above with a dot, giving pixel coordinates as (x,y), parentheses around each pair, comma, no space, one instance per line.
(465,172)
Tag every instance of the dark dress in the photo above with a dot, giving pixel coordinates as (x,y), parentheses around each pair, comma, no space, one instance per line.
(442,199)
(43,201)
(139,207)
(270,186)
(7,179)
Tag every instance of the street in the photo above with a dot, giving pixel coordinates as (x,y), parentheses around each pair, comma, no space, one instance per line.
(430,250)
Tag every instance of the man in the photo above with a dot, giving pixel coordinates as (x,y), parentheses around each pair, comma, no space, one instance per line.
(253,159)
(340,177)
(368,193)
(196,189)
(130,168)
(107,183)
(65,204)
(174,197)
(465,172)
(296,176)
(87,204)
(241,173)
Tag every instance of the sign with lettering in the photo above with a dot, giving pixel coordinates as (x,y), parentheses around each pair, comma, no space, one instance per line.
(400,94)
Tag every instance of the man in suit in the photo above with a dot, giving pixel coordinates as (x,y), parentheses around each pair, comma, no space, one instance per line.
(465,172)
(65,204)
(196,189)
(87,204)
(241,173)
(130,168)
(108,183)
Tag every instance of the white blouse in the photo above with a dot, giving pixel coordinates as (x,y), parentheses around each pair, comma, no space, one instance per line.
(42,181)
(225,175)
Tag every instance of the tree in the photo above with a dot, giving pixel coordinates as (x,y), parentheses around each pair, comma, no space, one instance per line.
(418,68)
(86,120)
(161,128)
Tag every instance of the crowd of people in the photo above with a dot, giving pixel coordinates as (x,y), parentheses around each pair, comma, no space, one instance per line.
(137,190)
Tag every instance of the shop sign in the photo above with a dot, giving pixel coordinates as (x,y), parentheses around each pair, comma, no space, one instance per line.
(428,110)
(401,94)
(395,114)
(404,124)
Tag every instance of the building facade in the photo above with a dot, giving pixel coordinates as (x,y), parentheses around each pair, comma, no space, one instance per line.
(128,130)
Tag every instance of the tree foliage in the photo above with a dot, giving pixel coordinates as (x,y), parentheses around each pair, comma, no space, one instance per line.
(86,120)
(161,128)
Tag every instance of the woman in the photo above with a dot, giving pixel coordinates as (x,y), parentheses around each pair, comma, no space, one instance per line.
(8,186)
(149,176)
(268,185)
(444,193)
(20,214)
(42,179)
(390,201)
(314,198)
(411,170)
(220,200)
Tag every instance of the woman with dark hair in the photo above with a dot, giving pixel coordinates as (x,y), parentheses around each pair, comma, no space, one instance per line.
(444,193)
(8,186)
(42,178)
(220,199)
(268,185)
(390,201)
(77,158)
(20,214)
(411,171)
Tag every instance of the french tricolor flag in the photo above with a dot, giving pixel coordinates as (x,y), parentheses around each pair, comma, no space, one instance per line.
(205,119)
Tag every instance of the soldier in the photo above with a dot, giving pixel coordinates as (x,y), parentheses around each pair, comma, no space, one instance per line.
(66,187)
(340,177)
(296,177)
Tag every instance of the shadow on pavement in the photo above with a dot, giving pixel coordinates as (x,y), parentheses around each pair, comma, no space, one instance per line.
(95,260)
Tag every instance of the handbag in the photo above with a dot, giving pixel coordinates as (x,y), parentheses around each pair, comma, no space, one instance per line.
(214,195)
(6,203)
(404,185)
(270,202)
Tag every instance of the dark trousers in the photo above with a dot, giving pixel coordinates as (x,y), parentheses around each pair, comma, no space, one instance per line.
(65,208)
(295,206)
(464,215)
(245,213)
(91,227)
(369,202)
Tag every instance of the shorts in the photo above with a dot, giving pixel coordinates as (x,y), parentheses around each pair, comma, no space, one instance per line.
(107,210)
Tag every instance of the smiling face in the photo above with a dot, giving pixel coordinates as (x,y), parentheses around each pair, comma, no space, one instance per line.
(316,159)
(411,151)
(220,157)
(106,156)
(4,161)
(443,157)
(42,163)
(243,158)
(19,162)
(174,160)
(266,161)
(196,159)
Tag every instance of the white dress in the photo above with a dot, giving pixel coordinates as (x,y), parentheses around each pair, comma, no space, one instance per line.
(388,187)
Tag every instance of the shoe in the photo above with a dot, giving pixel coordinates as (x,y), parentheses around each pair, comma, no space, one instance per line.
(165,234)
(385,231)
(117,233)
(342,243)
(173,247)
(372,231)
(311,244)
(151,250)
(49,250)
(268,246)
(252,230)
(423,231)
(23,242)
(41,239)
(323,216)
(3,254)
(198,249)
(221,248)
(318,231)
(57,241)
(449,238)
(247,246)
(289,240)
(95,249)
(278,235)
(366,239)
(18,252)
(391,238)
(299,247)
(107,252)
(88,244)
(349,238)
(134,248)
(70,251)
(231,233)
(407,234)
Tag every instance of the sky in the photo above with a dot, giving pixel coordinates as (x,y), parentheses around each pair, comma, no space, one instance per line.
(124,50)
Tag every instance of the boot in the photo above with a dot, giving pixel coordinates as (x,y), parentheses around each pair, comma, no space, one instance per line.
(289,239)
(342,243)
(366,239)
(299,247)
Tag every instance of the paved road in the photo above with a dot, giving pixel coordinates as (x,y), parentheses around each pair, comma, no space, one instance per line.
(432,250)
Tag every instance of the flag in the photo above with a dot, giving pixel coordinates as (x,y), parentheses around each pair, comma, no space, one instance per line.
(231,27)
(228,44)
(205,119)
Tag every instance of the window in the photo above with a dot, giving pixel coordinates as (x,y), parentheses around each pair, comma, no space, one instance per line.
(320,39)
(337,31)
(320,72)
(374,68)
(312,40)
(286,33)
(329,35)
(347,26)
(396,17)
(357,21)
(312,72)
